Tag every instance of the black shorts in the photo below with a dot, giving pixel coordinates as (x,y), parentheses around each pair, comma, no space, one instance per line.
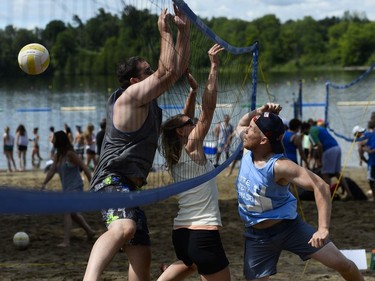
(90,152)
(22,147)
(200,247)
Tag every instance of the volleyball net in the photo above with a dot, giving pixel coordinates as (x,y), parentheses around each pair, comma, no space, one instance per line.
(350,104)
(236,95)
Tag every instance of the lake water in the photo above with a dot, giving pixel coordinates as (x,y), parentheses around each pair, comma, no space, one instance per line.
(43,102)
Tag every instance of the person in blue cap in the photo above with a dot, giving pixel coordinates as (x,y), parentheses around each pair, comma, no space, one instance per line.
(269,210)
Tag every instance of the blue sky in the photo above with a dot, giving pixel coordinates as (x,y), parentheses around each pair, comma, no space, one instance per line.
(31,13)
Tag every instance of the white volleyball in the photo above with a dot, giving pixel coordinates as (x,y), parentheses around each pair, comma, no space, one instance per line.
(21,240)
(33,59)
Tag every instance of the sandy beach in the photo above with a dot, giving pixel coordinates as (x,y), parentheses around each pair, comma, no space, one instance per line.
(352,227)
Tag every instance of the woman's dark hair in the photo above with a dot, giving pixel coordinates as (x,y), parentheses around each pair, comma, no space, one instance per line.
(128,69)
(21,130)
(170,144)
(62,144)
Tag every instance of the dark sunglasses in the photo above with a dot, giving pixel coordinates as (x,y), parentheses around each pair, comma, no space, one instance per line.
(188,122)
(148,71)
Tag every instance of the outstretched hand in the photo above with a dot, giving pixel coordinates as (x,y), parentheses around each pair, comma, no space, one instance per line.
(270,107)
(180,19)
(192,82)
(213,53)
(162,21)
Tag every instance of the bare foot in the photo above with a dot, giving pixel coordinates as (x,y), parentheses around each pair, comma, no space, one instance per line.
(63,245)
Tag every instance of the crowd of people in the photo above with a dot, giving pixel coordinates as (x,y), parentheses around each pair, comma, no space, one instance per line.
(86,144)
(266,205)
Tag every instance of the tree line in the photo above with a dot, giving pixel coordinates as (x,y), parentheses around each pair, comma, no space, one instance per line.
(96,46)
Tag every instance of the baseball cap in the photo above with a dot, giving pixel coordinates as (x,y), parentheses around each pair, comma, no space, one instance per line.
(272,126)
(320,122)
(358,129)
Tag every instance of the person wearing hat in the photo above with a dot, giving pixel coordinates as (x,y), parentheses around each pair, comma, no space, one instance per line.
(269,210)
(359,133)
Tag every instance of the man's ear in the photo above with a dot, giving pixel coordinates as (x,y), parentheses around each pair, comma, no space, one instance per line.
(133,80)
(264,140)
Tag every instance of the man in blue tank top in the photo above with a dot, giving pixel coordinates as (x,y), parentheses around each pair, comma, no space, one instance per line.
(269,210)
(329,154)
(129,146)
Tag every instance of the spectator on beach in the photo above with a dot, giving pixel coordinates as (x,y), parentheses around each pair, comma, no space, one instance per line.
(368,145)
(67,164)
(90,146)
(361,137)
(36,149)
(306,144)
(100,136)
(198,219)
(79,142)
(222,132)
(269,210)
(22,142)
(8,146)
(69,133)
(129,146)
(329,152)
(52,149)
(292,141)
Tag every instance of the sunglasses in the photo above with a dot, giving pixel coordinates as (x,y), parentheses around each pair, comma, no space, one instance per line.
(148,71)
(188,122)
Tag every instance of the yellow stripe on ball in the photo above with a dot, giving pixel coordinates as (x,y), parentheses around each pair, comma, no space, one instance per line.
(31,65)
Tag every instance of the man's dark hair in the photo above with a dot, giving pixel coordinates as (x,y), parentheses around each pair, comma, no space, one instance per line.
(128,69)
(294,124)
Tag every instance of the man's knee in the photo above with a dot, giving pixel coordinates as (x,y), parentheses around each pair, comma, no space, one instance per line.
(123,229)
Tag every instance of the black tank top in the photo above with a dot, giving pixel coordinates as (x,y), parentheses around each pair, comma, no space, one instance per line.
(128,154)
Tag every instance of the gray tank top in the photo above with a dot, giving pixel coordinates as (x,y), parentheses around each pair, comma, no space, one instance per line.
(70,176)
(130,154)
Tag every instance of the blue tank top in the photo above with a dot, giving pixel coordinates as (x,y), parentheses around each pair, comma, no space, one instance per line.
(289,146)
(128,154)
(259,197)
(70,176)
(324,137)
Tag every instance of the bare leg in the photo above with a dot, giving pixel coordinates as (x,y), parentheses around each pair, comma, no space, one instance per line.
(331,257)
(177,271)
(80,220)
(67,231)
(107,246)
(20,160)
(8,161)
(372,186)
(139,262)
(222,275)
(24,160)
(345,186)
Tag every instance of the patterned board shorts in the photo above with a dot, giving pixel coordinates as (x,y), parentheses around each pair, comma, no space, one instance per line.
(113,184)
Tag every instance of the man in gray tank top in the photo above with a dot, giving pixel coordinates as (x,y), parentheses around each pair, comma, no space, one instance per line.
(129,146)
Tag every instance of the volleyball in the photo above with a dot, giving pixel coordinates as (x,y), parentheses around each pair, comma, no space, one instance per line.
(21,240)
(33,59)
